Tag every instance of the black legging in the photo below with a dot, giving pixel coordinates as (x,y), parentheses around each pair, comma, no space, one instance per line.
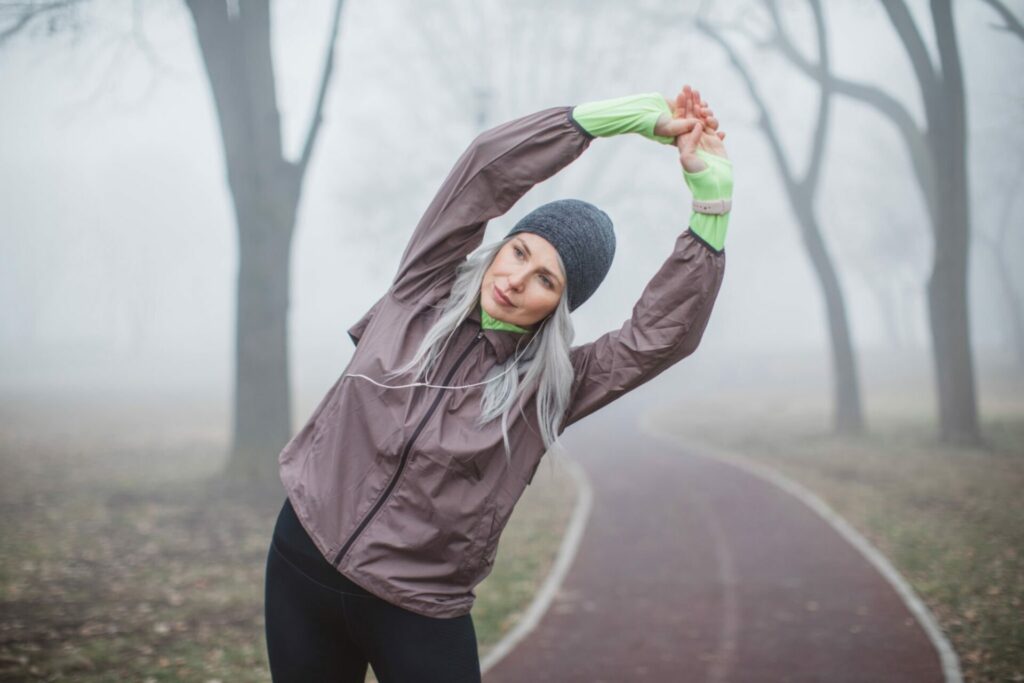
(322,627)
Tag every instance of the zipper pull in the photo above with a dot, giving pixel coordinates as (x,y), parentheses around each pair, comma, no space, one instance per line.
(479,334)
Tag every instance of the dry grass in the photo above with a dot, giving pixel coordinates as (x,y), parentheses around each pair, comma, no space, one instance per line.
(117,566)
(950,518)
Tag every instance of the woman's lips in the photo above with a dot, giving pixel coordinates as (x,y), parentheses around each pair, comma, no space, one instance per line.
(501,298)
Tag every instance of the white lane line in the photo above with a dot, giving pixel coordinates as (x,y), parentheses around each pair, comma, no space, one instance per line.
(563,560)
(724,658)
(947,655)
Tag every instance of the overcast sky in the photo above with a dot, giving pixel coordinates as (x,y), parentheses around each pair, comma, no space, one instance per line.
(120,250)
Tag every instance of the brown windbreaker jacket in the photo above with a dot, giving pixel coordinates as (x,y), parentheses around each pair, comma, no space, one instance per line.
(400,488)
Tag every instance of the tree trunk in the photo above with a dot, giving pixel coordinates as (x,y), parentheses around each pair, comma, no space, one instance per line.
(265,190)
(847,416)
(947,302)
(262,418)
(938,158)
(885,300)
(947,287)
(1015,321)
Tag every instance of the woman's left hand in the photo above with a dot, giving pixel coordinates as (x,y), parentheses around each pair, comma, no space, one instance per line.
(686,106)
(698,140)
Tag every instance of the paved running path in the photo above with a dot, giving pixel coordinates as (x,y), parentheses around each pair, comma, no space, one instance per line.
(693,570)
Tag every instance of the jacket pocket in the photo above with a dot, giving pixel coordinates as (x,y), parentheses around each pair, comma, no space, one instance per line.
(502,514)
(481,551)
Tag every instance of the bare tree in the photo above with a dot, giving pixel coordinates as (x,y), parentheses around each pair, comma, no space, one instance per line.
(998,243)
(938,156)
(1010,23)
(848,416)
(49,16)
(234,39)
(998,248)
(544,52)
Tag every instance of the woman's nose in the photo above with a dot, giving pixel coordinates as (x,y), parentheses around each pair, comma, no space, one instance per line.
(516,280)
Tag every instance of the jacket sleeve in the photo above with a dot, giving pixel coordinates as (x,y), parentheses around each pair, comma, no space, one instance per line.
(498,168)
(666,326)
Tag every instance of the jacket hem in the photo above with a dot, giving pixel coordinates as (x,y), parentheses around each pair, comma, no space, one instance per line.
(380,589)
(384,591)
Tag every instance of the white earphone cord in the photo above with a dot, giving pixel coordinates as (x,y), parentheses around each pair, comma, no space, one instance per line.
(442,386)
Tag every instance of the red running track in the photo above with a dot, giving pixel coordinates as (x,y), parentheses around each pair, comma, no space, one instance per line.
(693,570)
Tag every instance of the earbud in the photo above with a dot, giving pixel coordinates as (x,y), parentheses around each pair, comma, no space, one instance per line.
(441,386)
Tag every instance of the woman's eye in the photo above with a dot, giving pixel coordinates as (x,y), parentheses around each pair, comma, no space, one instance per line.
(518,251)
(547,282)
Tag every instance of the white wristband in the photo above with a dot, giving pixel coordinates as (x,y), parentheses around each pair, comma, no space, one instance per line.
(712,206)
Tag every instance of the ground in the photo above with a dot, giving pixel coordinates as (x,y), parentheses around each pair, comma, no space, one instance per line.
(120,563)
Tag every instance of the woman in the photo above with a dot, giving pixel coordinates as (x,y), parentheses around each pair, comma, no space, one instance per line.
(402,480)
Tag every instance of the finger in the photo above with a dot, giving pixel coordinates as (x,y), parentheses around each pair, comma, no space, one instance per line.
(675,104)
(694,135)
(686,141)
(681,126)
(721,136)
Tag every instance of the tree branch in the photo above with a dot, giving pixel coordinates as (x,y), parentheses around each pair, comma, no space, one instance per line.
(1012,24)
(325,79)
(24,13)
(870,95)
(824,104)
(874,97)
(952,86)
(766,120)
(813,174)
(905,27)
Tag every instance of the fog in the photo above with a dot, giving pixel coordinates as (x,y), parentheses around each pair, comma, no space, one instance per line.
(121,252)
(119,292)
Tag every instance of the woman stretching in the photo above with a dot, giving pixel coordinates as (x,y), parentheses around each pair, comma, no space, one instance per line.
(464,375)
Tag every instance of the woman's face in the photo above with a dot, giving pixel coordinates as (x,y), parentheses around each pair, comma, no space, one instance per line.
(526,271)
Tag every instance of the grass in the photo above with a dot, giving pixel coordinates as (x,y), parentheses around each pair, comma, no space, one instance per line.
(116,565)
(951,519)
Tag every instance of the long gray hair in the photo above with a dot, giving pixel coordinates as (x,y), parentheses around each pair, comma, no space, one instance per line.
(543,362)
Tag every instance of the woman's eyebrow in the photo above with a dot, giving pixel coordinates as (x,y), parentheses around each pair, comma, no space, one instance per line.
(530,254)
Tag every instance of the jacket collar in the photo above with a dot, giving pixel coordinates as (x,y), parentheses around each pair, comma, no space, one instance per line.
(504,342)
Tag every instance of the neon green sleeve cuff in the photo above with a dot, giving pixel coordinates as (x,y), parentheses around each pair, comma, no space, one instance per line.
(630,114)
(714,182)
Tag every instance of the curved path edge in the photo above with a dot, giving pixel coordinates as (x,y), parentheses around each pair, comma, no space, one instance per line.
(947,655)
(563,561)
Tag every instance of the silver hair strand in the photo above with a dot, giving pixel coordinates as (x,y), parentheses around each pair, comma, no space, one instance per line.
(542,366)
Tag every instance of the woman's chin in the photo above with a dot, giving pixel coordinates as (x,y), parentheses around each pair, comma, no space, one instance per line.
(496,311)
(489,306)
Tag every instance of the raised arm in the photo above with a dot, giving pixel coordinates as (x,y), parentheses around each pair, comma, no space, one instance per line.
(498,168)
(503,163)
(672,313)
(666,326)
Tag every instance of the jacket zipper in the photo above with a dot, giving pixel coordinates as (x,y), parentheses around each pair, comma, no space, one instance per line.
(405,452)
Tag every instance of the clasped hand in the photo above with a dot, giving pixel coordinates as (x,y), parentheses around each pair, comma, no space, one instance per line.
(694,127)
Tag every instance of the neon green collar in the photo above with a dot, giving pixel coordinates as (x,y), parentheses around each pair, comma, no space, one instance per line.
(488,322)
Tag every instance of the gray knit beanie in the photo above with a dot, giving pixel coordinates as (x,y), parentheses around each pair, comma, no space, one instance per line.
(584,238)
